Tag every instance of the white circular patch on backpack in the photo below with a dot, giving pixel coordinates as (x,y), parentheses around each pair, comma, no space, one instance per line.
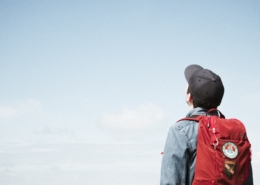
(230,150)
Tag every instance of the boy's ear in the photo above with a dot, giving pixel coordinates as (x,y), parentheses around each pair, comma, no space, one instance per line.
(189,98)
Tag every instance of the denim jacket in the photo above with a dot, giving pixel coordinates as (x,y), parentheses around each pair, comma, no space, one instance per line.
(179,158)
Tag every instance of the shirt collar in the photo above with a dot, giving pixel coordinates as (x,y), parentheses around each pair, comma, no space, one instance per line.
(197,111)
(200,111)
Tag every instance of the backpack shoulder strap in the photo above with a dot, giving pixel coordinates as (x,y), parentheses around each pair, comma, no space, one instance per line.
(192,118)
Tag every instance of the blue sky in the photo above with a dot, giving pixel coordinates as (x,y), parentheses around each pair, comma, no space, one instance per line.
(95,77)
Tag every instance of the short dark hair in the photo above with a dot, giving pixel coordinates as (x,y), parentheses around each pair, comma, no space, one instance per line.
(205,105)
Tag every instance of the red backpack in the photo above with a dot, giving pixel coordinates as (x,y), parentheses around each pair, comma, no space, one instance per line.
(223,151)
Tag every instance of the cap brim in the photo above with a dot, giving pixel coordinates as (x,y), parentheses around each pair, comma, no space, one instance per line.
(190,70)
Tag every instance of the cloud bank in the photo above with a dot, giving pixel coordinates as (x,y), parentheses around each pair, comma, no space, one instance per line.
(144,116)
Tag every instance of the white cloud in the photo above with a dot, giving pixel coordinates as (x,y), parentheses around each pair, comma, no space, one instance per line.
(24,108)
(7,112)
(29,106)
(142,117)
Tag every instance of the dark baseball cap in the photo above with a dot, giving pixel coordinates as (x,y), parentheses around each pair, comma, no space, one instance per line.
(204,85)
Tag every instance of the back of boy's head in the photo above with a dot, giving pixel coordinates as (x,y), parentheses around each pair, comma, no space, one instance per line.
(205,86)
